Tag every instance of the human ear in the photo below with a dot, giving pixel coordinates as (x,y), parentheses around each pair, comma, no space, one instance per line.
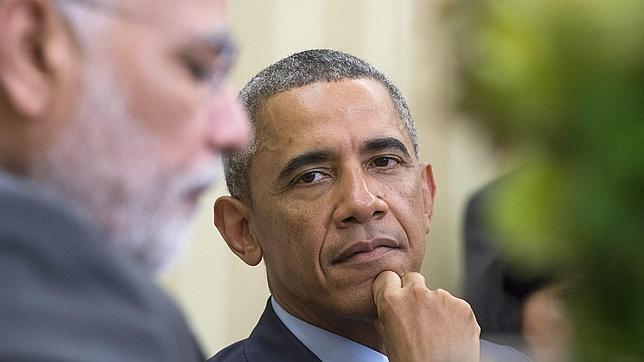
(231,219)
(32,55)
(429,193)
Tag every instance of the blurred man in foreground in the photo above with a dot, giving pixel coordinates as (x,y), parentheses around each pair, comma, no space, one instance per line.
(331,194)
(112,118)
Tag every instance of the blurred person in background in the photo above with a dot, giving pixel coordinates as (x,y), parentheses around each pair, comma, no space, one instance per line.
(113,115)
(512,305)
(560,84)
(333,197)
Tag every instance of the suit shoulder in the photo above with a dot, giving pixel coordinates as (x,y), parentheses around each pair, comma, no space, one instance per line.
(232,353)
(66,294)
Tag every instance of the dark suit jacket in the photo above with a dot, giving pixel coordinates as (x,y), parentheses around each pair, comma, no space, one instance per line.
(272,341)
(66,295)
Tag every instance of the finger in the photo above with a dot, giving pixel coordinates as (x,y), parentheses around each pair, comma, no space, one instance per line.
(445,294)
(385,280)
(413,278)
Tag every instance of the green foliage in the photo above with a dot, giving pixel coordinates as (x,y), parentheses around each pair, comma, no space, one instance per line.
(564,79)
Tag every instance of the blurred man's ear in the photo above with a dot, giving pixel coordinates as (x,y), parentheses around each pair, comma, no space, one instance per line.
(429,193)
(231,219)
(34,49)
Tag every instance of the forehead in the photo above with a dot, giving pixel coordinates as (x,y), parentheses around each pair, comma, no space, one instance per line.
(303,116)
(328,115)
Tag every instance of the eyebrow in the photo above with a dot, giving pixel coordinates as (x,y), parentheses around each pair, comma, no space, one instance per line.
(218,43)
(305,159)
(317,156)
(219,40)
(385,143)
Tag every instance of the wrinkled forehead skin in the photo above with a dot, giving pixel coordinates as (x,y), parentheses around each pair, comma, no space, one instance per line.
(303,104)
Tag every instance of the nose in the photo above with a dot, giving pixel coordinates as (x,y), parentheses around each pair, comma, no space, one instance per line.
(358,203)
(229,128)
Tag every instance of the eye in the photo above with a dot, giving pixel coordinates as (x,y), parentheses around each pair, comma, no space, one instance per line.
(197,70)
(384,161)
(310,177)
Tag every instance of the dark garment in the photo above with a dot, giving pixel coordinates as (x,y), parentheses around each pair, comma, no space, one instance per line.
(495,288)
(66,295)
(272,341)
(269,341)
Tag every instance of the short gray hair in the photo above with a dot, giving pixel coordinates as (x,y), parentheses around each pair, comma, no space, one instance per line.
(298,70)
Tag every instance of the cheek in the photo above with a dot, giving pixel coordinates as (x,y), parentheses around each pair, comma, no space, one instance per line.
(166,110)
(176,125)
(410,211)
(160,97)
(292,235)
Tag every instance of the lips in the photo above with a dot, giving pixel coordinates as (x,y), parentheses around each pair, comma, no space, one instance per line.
(366,250)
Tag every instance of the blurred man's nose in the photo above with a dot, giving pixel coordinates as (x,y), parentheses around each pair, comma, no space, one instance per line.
(229,127)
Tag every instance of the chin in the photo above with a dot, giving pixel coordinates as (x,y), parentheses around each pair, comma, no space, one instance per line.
(358,303)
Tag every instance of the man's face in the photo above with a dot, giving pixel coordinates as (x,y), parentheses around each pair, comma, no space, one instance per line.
(143,139)
(338,198)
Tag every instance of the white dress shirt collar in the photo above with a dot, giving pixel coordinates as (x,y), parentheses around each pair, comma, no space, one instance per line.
(327,346)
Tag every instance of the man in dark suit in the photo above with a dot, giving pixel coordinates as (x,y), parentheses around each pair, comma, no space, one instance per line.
(333,197)
(112,118)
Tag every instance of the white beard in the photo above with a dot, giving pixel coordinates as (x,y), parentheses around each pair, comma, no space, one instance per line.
(110,170)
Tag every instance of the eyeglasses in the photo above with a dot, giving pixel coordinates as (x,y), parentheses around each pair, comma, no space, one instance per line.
(220,45)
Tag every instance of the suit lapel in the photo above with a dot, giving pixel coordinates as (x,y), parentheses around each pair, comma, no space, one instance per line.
(272,341)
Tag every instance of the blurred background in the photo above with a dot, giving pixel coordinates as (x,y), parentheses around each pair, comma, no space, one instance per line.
(407,41)
(560,84)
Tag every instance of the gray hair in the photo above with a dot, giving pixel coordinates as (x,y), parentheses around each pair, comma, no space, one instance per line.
(298,70)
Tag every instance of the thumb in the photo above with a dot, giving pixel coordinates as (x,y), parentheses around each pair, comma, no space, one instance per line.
(384,281)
